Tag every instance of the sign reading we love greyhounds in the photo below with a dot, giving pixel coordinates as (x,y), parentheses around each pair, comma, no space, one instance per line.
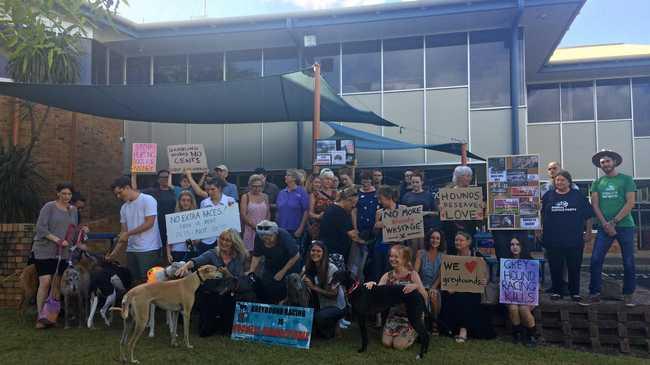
(467,274)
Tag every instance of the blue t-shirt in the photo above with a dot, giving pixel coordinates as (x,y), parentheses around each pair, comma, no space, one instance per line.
(367,206)
(564,218)
(292,205)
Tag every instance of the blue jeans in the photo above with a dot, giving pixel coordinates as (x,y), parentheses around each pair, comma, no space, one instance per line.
(357,261)
(625,238)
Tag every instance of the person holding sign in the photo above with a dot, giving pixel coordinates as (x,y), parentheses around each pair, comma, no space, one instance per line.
(428,263)
(388,198)
(462,178)
(418,196)
(398,332)
(179,251)
(229,256)
(216,198)
(462,314)
(521,316)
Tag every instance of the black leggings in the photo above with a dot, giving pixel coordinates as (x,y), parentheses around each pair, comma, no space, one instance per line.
(216,313)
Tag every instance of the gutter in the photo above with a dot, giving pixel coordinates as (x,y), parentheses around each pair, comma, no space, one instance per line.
(515,75)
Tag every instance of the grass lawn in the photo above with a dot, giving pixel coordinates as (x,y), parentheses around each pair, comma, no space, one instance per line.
(22,344)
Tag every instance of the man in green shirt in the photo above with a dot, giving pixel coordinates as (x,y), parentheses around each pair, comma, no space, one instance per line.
(613,197)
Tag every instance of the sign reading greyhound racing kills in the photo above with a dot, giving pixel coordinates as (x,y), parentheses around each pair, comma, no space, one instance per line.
(143,157)
(202,223)
(187,156)
(467,274)
(403,223)
(519,282)
(461,204)
(273,324)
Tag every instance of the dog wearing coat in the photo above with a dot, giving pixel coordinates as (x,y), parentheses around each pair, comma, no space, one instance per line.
(174,295)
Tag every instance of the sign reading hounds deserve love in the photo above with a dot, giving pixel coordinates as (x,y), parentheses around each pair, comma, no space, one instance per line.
(403,223)
(202,223)
(465,274)
(461,204)
(519,282)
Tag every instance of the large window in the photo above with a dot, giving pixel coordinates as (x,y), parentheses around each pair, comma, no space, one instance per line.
(328,56)
(170,69)
(613,99)
(280,60)
(206,67)
(242,65)
(403,63)
(641,92)
(446,57)
(138,70)
(361,66)
(116,68)
(577,101)
(543,103)
(98,63)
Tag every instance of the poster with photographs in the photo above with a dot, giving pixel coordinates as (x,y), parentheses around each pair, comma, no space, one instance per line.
(340,152)
(513,192)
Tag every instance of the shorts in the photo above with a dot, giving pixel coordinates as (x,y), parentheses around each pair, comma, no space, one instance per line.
(139,263)
(48,266)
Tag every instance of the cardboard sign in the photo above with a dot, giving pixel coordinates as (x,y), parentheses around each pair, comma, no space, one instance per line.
(461,204)
(513,192)
(519,282)
(273,324)
(403,223)
(202,223)
(143,157)
(467,274)
(187,156)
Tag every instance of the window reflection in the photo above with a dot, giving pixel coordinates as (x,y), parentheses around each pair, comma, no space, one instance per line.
(98,65)
(242,65)
(543,103)
(641,91)
(577,101)
(446,57)
(403,63)
(138,70)
(207,67)
(280,60)
(361,66)
(170,69)
(328,56)
(116,68)
(613,97)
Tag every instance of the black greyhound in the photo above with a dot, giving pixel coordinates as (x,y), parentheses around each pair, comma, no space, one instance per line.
(365,302)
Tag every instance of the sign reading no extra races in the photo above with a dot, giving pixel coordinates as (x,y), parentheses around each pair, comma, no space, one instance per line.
(187,156)
(403,223)
(461,204)
(143,157)
(465,274)
(202,223)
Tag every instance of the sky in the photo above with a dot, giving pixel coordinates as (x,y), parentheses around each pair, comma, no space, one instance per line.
(599,21)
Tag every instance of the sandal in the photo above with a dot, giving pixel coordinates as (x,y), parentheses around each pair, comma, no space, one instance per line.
(460,339)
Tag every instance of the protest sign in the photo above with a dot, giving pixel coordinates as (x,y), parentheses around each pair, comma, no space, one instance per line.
(519,282)
(513,192)
(403,223)
(461,204)
(187,156)
(202,223)
(467,274)
(273,324)
(143,157)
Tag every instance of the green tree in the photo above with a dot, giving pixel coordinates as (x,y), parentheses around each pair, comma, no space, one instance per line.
(41,39)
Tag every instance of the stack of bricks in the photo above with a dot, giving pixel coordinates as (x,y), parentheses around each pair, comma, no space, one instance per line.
(15,246)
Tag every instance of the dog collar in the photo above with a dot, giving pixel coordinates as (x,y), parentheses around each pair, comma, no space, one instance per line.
(354,287)
(198,273)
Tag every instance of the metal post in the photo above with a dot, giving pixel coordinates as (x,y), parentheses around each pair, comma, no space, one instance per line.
(515,77)
(315,127)
(299,129)
(463,154)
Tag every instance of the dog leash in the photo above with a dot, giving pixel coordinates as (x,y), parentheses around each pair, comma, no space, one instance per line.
(354,287)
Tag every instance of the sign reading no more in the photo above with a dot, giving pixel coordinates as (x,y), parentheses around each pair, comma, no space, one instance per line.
(403,223)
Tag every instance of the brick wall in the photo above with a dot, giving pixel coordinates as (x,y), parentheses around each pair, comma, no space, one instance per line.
(80,148)
(15,245)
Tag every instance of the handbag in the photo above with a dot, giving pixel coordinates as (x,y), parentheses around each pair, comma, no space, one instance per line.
(49,314)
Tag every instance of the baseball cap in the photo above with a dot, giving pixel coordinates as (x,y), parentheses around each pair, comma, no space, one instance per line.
(221,167)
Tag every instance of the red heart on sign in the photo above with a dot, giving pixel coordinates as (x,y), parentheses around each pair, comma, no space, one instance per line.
(471,265)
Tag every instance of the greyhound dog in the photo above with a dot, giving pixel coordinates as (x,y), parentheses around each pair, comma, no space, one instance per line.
(108,282)
(28,282)
(297,292)
(169,273)
(366,302)
(75,283)
(174,295)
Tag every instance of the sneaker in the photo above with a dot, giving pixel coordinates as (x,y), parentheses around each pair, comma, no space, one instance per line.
(556,296)
(345,323)
(576,298)
(628,299)
(593,299)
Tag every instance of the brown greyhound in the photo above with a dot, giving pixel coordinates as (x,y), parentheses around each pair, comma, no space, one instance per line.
(174,295)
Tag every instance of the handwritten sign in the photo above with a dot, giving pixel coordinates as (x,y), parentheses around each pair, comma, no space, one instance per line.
(202,223)
(187,156)
(465,274)
(403,223)
(461,204)
(273,324)
(519,282)
(143,157)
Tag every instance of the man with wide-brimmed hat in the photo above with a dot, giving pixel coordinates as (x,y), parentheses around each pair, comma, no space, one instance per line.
(612,197)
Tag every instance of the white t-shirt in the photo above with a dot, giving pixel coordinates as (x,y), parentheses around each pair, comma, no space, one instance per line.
(132,214)
(208,203)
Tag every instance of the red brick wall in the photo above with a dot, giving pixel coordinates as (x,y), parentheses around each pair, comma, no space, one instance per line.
(15,245)
(74,147)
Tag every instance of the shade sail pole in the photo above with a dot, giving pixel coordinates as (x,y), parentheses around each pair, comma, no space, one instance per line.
(463,154)
(315,127)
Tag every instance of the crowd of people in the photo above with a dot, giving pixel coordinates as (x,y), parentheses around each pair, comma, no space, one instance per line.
(321,223)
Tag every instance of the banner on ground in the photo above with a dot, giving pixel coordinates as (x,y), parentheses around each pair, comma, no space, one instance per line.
(513,192)
(143,157)
(403,223)
(461,204)
(519,283)
(273,324)
(202,223)
(466,274)
(187,156)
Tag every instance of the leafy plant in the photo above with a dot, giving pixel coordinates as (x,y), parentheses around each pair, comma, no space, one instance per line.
(41,38)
